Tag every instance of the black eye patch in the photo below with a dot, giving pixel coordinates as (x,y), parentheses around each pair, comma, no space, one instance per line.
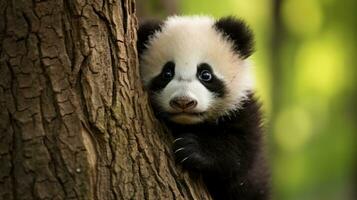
(214,84)
(166,75)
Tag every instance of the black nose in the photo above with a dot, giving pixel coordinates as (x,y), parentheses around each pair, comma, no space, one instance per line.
(183,103)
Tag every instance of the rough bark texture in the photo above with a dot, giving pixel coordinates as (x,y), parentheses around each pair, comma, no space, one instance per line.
(75,122)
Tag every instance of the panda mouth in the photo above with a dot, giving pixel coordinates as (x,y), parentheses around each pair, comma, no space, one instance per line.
(186,117)
(187,113)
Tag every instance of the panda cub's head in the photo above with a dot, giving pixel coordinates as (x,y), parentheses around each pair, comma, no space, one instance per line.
(195,67)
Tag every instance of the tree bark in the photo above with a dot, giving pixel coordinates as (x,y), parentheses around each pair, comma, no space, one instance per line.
(75,122)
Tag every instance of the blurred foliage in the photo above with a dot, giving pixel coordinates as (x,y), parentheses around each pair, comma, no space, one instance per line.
(305,68)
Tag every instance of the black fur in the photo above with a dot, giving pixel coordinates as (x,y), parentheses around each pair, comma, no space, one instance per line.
(146,30)
(239,33)
(227,153)
(215,85)
(160,82)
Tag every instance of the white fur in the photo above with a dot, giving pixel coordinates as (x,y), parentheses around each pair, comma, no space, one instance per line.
(188,42)
(193,89)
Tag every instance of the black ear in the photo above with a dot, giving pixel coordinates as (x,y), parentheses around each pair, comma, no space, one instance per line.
(145,30)
(239,33)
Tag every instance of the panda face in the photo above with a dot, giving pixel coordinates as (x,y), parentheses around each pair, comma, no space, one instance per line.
(186,95)
(192,71)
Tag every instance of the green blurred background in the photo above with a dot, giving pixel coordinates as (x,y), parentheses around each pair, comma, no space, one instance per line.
(306,77)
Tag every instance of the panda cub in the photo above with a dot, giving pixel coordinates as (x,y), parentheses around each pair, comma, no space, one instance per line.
(200,84)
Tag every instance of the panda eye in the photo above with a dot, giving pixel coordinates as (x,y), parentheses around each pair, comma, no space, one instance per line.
(168,74)
(205,75)
(168,70)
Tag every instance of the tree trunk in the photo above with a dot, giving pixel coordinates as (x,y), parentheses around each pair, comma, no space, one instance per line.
(75,122)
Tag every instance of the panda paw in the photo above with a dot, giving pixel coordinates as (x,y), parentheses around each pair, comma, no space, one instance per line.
(188,152)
